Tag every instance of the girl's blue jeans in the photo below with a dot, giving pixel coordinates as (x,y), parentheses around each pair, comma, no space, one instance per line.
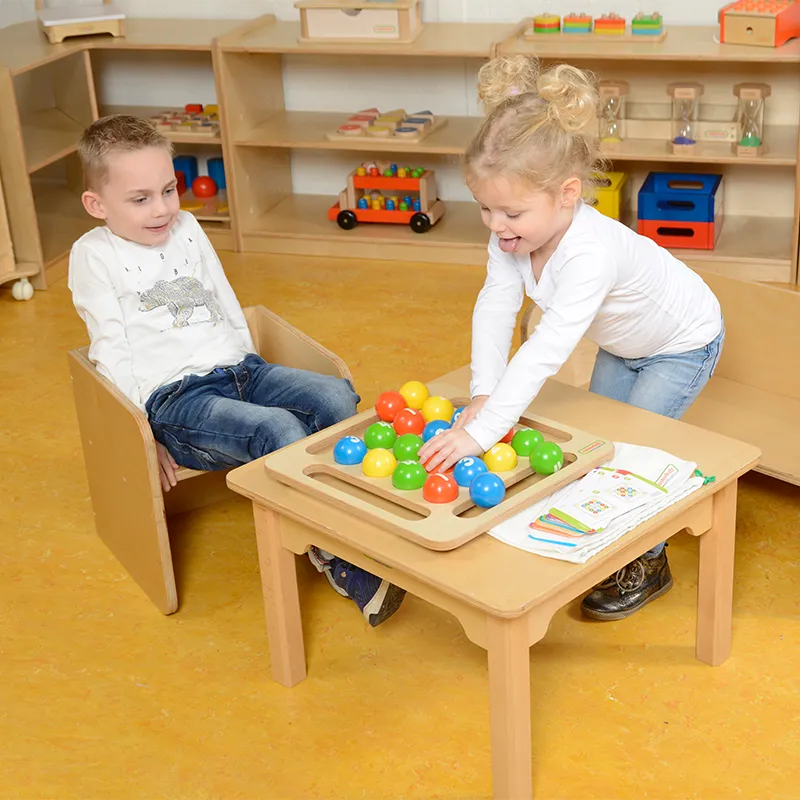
(665,385)
(236,414)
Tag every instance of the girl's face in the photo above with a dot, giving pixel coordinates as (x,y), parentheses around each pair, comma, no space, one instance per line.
(524,219)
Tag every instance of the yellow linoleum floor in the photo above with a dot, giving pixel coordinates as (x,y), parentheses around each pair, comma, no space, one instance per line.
(102,697)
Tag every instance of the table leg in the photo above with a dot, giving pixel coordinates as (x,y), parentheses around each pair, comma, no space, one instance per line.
(715,580)
(510,708)
(281,599)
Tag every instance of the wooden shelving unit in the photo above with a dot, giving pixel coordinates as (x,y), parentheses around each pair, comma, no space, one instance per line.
(761,243)
(261,138)
(48,95)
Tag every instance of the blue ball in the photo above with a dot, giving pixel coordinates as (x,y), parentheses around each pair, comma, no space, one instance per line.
(349,451)
(487,490)
(456,414)
(433,427)
(467,469)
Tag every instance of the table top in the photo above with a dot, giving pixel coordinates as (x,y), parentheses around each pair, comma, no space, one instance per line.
(470,573)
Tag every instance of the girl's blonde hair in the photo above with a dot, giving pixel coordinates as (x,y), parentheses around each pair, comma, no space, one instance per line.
(541,127)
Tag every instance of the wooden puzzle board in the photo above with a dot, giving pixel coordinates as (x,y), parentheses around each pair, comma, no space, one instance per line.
(438,123)
(308,465)
(652,38)
(202,126)
(207,209)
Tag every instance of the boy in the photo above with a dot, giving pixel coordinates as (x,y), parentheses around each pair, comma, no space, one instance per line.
(166,328)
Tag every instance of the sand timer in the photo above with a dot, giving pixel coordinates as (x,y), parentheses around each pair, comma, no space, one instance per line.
(685,113)
(750,118)
(612,113)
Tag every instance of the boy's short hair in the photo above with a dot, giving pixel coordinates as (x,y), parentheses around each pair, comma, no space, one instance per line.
(117,132)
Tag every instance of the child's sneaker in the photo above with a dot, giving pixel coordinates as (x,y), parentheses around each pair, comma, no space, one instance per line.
(377,598)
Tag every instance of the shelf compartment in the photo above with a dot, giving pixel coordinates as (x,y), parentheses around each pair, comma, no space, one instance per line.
(308,129)
(299,224)
(56,102)
(781,141)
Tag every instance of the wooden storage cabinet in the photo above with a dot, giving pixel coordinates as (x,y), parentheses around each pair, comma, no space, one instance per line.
(264,139)
(759,239)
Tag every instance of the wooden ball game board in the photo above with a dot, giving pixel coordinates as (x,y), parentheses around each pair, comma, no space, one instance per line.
(309,465)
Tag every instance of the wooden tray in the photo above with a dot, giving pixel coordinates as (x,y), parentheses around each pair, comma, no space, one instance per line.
(438,123)
(308,465)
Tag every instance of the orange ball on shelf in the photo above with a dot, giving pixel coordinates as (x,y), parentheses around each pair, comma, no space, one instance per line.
(203,186)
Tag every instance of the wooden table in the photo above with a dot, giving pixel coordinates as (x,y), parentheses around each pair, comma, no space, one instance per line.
(505,616)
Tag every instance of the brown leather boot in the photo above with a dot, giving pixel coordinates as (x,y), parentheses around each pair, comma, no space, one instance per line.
(633,587)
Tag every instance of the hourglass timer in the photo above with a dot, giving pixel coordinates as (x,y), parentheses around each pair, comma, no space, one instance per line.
(612,113)
(685,113)
(750,118)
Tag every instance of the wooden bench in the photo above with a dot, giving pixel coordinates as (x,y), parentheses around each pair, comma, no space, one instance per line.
(754,394)
(129,506)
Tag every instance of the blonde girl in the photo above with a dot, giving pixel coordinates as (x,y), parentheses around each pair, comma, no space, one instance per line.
(658,326)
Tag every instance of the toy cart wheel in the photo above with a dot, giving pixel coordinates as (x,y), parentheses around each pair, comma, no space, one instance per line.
(420,223)
(347,220)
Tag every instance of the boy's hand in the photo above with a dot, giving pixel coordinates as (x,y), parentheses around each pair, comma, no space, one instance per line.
(446,448)
(166,467)
(470,411)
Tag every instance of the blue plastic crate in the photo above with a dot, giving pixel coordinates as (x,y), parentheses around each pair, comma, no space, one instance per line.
(680,197)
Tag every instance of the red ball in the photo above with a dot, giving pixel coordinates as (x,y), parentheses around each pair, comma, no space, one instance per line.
(203,186)
(409,421)
(440,488)
(508,437)
(389,405)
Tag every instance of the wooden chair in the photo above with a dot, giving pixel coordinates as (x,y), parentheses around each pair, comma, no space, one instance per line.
(754,394)
(129,506)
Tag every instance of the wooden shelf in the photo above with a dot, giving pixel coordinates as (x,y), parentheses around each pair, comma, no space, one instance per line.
(683,43)
(308,129)
(438,39)
(145,112)
(48,135)
(458,238)
(781,141)
(23,46)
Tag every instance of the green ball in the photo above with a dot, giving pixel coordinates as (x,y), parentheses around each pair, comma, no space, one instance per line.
(407,446)
(525,440)
(546,458)
(380,434)
(409,475)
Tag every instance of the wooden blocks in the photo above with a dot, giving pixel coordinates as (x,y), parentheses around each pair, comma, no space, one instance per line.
(62,22)
(354,21)
(765,23)
(607,27)
(392,125)
(194,121)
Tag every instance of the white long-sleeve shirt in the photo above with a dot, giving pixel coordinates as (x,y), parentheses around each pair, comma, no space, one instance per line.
(156,314)
(604,281)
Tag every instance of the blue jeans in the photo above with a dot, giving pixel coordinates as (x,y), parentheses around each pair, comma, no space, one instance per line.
(665,385)
(237,414)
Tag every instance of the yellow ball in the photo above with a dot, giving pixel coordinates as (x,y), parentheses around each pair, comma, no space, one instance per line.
(415,393)
(501,458)
(379,463)
(437,407)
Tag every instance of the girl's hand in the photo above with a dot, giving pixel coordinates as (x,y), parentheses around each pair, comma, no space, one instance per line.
(470,411)
(446,448)
(166,467)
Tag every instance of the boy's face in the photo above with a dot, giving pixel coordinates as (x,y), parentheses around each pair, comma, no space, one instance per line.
(138,200)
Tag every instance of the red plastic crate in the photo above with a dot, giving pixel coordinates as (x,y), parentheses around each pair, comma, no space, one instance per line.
(688,235)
